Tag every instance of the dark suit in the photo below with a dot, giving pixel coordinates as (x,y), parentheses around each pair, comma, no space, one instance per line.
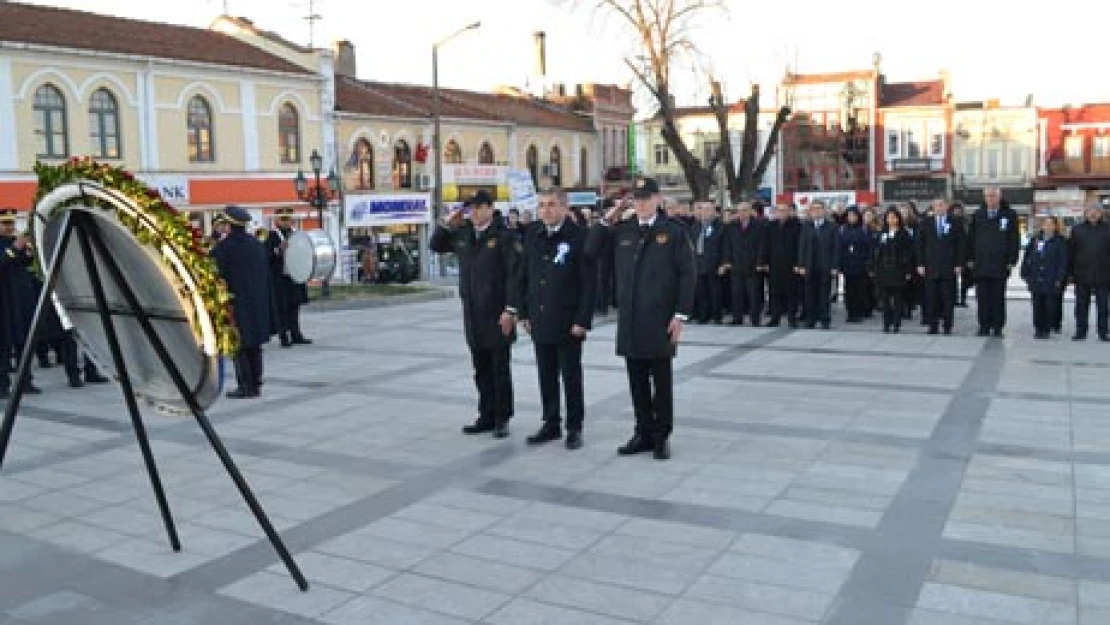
(708,240)
(782,258)
(489,285)
(745,252)
(993,246)
(18,299)
(1089,259)
(288,296)
(241,260)
(656,279)
(891,264)
(558,281)
(940,251)
(1045,269)
(819,255)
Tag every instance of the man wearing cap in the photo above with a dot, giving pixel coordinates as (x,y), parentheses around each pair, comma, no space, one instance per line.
(489,286)
(17,299)
(558,282)
(655,278)
(289,296)
(241,260)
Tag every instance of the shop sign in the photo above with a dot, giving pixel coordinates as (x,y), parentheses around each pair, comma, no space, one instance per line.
(1060,195)
(804,198)
(384,210)
(174,189)
(522,192)
(916,189)
(581,198)
(473,174)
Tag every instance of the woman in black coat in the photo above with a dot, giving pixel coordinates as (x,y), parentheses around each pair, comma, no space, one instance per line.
(892,266)
(1044,269)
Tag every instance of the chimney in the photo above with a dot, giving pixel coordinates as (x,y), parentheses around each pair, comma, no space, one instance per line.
(541,53)
(345,58)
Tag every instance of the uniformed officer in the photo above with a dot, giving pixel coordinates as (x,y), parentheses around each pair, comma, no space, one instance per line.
(656,279)
(17,297)
(289,296)
(241,260)
(489,286)
(558,287)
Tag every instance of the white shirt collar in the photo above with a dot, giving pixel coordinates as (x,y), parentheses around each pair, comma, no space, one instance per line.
(554,229)
(648,223)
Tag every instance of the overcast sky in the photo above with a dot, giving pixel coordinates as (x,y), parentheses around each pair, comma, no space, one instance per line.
(992,48)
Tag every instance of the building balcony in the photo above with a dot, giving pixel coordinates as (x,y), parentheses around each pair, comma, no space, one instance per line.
(1072,167)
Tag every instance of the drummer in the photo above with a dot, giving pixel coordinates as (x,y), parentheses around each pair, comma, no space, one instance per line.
(289,296)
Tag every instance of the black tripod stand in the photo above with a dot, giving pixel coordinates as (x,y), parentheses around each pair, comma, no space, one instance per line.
(82,225)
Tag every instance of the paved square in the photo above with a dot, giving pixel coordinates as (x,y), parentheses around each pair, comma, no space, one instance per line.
(844,477)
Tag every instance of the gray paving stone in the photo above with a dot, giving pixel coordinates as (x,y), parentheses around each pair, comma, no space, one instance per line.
(442,596)
(758,597)
(373,549)
(545,533)
(514,552)
(688,611)
(476,572)
(528,612)
(341,573)
(601,598)
(377,611)
(278,592)
(679,533)
(629,573)
(998,606)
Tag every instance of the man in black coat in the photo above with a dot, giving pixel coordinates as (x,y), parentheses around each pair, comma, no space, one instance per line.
(604,262)
(558,281)
(18,298)
(489,286)
(818,259)
(783,234)
(708,235)
(1089,254)
(288,295)
(745,259)
(241,260)
(656,279)
(993,245)
(940,259)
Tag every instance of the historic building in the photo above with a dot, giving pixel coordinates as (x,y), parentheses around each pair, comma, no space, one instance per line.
(994,145)
(1073,170)
(610,108)
(913,155)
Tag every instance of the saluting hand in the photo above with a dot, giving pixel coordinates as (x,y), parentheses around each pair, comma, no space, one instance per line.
(455,219)
(674,330)
(578,332)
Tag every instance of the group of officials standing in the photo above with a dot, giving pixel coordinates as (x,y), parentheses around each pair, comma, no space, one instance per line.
(546,283)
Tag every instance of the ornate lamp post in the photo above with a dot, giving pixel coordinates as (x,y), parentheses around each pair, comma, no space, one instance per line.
(318,195)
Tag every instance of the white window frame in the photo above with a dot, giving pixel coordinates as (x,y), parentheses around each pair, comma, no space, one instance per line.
(662,154)
(1017,162)
(970,162)
(911,135)
(994,158)
(896,135)
(1100,147)
(1073,148)
(936,131)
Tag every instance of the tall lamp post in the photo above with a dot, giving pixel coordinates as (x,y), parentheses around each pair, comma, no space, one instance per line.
(318,196)
(437,194)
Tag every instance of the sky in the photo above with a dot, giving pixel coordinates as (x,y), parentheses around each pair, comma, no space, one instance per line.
(992,48)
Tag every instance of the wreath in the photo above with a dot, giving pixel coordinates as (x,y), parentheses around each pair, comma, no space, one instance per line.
(172,229)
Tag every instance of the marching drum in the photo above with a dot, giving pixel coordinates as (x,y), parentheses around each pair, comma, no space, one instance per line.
(310,255)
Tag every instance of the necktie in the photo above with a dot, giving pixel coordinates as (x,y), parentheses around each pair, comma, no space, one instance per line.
(701,240)
(940,225)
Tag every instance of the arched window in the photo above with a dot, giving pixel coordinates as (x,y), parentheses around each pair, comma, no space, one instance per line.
(365,164)
(104,124)
(289,134)
(485,154)
(452,153)
(402,165)
(556,168)
(50,123)
(583,168)
(532,158)
(200,131)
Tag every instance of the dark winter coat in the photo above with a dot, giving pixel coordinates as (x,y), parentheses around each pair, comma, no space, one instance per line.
(819,248)
(1089,254)
(782,248)
(713,248)
(892,259)
(18,292)
(855,250)
(558,282)
(940,253)
(993,245)
(241,260)
(1045,266)
(745,247)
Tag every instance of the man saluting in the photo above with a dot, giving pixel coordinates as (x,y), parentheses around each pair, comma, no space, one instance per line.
(489,285)
(656,279)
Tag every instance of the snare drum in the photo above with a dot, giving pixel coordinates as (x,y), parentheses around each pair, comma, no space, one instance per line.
(310,256)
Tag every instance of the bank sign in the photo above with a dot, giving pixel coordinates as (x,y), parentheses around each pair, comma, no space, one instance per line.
(385,210)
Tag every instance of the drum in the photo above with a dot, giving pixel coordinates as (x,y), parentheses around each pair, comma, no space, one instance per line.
(310,256)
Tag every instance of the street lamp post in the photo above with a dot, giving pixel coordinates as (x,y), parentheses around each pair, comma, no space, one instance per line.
(437,193)
(318,197)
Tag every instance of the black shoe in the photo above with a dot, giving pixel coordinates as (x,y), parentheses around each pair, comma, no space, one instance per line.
(947,330)
(793,325)
(31,389)
(478,427)
(76,383)
(545,434)
(998,333)
(286,343)
(5,393)
(501,430)
(1057,330)
(774,323)
(897,329)
(44,363)
(933,330)
(825,325)
(886,329)
(574,439)
(97,379)
(1105,338)
(1079,336)
(662,451)
(300,340)
(240,393)
(635,445)
(983,332)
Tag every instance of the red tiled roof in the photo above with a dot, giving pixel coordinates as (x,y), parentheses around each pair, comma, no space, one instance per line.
(402,100)
(65,28)
(920,93)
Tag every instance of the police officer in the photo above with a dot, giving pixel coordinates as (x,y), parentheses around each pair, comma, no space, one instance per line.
(17,297)
(656,279)
(289,296)
(558,287)
(241,260)
(489,286)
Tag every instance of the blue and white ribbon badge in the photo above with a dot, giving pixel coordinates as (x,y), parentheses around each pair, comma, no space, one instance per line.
(562,251)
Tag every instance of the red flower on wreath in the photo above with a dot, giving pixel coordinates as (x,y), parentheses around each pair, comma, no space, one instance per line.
(127,176)
(153,194)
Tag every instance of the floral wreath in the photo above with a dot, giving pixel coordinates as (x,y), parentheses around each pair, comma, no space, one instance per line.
(172,228)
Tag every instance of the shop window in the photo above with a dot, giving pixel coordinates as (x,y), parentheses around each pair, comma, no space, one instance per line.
(1101,148)
(289,134)
(452,153)
(104,125)
(485,154)
(50,123)
(402,165)
(893,144)
(200,131)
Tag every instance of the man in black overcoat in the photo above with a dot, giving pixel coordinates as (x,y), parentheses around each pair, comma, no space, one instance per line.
(745,259)
(818,259)
(558,279)
(489,286)
(1089,255)
(18,298)
(288,295)
(993,246)
(940,259)
(241,260)
(783,234)
(656,279)
(708,239)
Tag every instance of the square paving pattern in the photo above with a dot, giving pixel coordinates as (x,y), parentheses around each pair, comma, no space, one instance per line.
(841,477)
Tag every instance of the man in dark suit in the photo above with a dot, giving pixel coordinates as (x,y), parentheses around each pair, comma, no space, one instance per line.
(818,259)
(940,259)
(656,278)
(1089,256)
(745,258)
(489,286)
(289,296)
(241,260)
(18,298)
(708,235)
(783,234)
(993,244)
(557,287)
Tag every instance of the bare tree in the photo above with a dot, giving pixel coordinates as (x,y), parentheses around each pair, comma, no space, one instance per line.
(663,31)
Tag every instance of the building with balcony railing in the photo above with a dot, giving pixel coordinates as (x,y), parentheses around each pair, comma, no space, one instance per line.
(1074,164)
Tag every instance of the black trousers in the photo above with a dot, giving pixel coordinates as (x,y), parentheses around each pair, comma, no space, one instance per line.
(747,297)
(70,360)
(652,385)
(555,361)
(493,376)
(966,280)
(892,301)
(724,287)
(857,300)
(818,291)
(248,368)
(707,299)
(784,292)
(940,301)
(1044,312)
(604,287)
(1083,293)
(290,323)
(990,298)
